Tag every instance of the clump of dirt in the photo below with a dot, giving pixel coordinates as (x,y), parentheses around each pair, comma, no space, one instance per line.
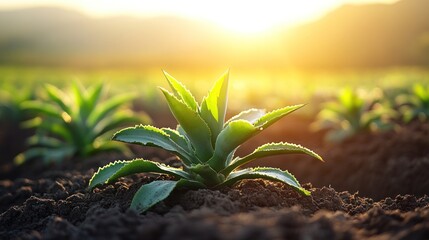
(58,206)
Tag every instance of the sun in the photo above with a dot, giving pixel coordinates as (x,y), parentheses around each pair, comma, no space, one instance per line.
(246,23)
(253,17)
(249,17)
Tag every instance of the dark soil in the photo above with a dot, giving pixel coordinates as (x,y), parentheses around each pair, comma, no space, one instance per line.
(12,142)
(388,170)
(58,206)
(377,165)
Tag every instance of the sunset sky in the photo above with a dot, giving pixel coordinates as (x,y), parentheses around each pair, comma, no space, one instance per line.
(239,15)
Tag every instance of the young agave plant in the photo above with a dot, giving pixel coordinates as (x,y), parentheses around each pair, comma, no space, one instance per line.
(205,143)
(350,114)
(415,105)
(74,123)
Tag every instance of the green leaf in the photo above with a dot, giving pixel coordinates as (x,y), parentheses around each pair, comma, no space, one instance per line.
(42,108)
(94,94)
(150,194)
(265,173)
(45,141)
(46,154)
(58,97)
(82,107)
(80,133)
(213,107)
(108,107)
(104,173)
(146,166)
(154,137)
(273,116)
(113,122)
(231,137)
(251,115)
(54,127)
(182,132)
(78,93)
(179,139)
(195,127)
(60,130)
(270,149)
(181,92)
(58,154)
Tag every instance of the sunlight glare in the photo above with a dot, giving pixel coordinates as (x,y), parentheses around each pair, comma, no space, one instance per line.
(238,16)
(255,17)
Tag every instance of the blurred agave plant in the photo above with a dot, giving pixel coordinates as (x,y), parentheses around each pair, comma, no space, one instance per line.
(351,113)
(76,123)
(415,105)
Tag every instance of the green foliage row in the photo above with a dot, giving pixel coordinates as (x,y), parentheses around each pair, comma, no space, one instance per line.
(205,143)
(354,112)
(415,105)
(276,87)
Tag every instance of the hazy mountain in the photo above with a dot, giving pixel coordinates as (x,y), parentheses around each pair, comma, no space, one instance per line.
(52,35)
(364,36)
(351,36)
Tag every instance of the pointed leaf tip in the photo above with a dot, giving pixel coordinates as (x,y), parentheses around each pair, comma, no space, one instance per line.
(181,92)
(275,115)
(214,105)
(195,127)
(104,173)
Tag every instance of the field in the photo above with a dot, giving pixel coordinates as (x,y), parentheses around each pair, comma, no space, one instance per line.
(373,183)
(256,87)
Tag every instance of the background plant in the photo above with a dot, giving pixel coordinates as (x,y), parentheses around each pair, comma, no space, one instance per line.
(415,103)
(75,123)
(204,142)
(351,113)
